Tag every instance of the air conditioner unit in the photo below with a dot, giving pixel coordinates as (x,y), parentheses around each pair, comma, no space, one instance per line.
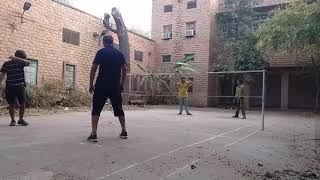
(190,33)
(166,35)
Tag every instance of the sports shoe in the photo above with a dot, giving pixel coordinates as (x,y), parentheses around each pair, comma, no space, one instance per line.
(124,135)
(189,114)
(23,122)
(93,137)
(180,114)
(13,123)
(244,117)
(235,116)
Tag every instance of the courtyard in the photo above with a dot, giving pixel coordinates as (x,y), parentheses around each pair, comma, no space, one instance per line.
(161,145)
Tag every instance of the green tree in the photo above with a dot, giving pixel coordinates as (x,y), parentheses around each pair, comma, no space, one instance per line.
(238,50)
(296,30)
(182,68)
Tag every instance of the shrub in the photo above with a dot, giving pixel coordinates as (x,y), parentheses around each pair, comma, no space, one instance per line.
(52,94)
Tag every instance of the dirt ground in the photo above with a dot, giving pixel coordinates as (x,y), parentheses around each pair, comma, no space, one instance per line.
(162,145)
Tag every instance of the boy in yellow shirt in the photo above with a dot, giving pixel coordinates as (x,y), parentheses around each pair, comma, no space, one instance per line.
(183,87)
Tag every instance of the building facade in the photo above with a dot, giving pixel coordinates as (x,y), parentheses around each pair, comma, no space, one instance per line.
(61,42)
(183,28)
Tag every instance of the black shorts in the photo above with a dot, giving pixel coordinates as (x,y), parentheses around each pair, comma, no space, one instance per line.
(99,100)
(16,92)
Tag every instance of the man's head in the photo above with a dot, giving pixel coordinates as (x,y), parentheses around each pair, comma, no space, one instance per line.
(183,79)
(107,40)
(20,54)
(240,81)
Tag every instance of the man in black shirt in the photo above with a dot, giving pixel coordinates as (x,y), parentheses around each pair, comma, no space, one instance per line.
(109,84)
(15,84)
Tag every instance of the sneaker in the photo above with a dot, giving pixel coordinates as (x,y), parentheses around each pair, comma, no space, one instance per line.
(244,117)
(180,114)
(23,122)
(13,123)
(189,114)
(124,135)
(93,137)
(235,116)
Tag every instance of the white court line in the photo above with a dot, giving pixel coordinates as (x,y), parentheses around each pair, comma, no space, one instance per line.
(243,138)
(170,152)
(195,161)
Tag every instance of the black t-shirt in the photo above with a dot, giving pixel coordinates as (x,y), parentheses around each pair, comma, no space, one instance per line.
(110,61)
(15,73)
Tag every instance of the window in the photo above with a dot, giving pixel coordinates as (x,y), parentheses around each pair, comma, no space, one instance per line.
(191,56)
(31,72)
(191,4)
(167,28)
(258,21)
(167,32)
(190,29)
(69,76)
(70,37)
(138,56)
(228,30)
(166,58)
(167,8)
(191,25)
(190,90)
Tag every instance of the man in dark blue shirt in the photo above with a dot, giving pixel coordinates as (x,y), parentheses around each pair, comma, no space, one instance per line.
(15,84)
(109,84)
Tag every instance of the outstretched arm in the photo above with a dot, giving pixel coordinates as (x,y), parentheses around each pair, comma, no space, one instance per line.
(20,60)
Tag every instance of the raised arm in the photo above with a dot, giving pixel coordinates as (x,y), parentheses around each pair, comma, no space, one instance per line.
(20,60)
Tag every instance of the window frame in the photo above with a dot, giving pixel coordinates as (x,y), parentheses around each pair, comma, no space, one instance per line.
(189,23)
(166,55)
(192,4)
(191,54)
(138,56)
(70,37)
(258,20)
(164,28)
(37,71)
(169,28)
(167,5)
(65,65)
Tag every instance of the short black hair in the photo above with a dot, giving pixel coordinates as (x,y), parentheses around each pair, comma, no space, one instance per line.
(107,39)
(240,81)
(20,54)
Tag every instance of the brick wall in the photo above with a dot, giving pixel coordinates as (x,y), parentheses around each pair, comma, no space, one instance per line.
(179,45)
(41,37)
(144,45)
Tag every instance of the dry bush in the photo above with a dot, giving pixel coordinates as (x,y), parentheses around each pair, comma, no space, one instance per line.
(52,94)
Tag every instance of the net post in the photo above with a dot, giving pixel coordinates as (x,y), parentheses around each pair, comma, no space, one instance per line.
(263,97)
